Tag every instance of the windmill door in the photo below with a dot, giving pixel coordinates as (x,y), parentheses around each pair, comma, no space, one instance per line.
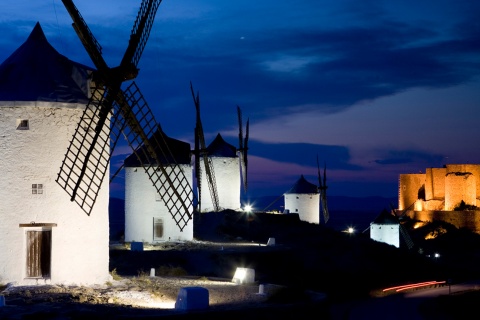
(157,229)
(39,244)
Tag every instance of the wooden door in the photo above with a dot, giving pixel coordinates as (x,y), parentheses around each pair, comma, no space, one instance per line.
(157,229)
(39,246)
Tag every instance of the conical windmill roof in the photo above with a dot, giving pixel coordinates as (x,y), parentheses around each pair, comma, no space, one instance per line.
(175,152)
(221,148)
(37,72)
(303,186)
(386,218)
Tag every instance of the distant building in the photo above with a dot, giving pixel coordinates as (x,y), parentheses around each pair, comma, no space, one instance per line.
(450,194)
(386,228)
(303,199)
(147,219)
(226,167)
(45,237)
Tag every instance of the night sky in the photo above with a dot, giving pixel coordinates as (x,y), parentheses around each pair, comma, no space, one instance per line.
(374,88)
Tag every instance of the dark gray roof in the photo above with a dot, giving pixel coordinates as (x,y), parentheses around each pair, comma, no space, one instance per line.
(37,72)
(303,186)
(179,152)
(386,217)
(221,148)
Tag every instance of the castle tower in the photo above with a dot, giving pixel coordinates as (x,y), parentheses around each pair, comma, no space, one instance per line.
(303,198)
(147,219)
(45,237)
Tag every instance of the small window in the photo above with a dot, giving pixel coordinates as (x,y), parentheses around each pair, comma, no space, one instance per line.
(37,188)
(22,124)
(157,197)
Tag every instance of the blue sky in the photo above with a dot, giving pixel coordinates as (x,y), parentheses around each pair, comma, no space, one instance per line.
(374,88)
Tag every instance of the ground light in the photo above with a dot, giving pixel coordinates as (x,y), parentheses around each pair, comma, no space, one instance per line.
(244,275)
(350,230)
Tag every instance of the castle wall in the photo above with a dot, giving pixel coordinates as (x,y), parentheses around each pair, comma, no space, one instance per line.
(460,184)
(409,186)
(460,219)
(435,183)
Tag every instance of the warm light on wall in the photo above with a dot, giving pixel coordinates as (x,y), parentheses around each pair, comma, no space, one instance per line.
(419,224)
(418,205)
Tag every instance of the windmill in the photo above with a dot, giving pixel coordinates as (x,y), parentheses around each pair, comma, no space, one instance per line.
(322,187)
(243,148)
(112,112)
(201,152)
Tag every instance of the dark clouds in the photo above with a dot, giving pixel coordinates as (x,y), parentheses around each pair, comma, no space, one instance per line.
(375,88)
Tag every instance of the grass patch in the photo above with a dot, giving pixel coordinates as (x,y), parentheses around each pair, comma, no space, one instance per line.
(169,271)
(115,275)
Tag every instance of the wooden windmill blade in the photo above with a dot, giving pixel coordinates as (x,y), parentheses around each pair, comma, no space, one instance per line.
(113,112)
(140,32)
(326,214)
(242,148)
(147,141)
(322,187)
(245,154)
(202,153)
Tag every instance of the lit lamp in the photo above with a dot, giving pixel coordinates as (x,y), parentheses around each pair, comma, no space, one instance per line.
(244,275)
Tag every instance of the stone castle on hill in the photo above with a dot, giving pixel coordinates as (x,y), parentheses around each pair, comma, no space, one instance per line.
(450,194)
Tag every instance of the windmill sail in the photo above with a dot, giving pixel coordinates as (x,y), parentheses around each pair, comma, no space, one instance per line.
(201,152)
(322,187)
(112,112)
(243,148)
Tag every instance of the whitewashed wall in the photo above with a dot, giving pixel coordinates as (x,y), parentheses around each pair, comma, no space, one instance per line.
(142,205)
(80,243)
(387,233)
(227,176)
(307,206)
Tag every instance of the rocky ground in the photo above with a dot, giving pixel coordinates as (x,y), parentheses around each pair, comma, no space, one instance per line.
(310,269)
(129,297)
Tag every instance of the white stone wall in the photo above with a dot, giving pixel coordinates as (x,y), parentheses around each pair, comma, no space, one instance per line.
(142,205)
(387,233)
(307,206)
(227,176)
(80,243)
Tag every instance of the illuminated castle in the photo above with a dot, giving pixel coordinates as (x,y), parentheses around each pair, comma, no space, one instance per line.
(450,194)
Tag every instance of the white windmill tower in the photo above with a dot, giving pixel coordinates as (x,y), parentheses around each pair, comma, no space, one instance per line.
(45,238)
(307,199)
(147,219)
(303,199)
(221,166)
